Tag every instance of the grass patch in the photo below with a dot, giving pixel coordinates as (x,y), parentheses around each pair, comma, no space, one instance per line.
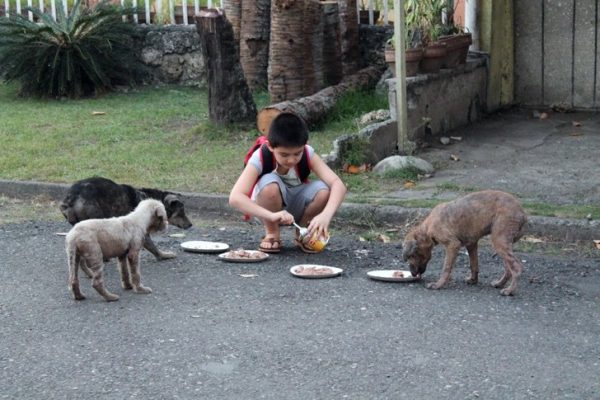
(150,136)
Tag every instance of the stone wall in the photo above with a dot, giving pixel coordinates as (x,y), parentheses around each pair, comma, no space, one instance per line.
(172,53)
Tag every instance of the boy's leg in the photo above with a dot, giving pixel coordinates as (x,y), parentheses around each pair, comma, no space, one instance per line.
(270,198)
(315,206)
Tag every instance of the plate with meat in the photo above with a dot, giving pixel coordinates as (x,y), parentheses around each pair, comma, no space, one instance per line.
(315,271)
(244,256)
(201,246)
(392,275)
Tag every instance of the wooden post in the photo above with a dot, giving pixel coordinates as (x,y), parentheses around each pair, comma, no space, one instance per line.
(229,98)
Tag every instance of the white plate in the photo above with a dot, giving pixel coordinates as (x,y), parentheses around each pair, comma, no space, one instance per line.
(296,270)
(256,256)
(200,246)
(388,275)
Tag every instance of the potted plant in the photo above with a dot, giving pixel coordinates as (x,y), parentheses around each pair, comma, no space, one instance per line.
(412,46)
(457,41)
(431,29)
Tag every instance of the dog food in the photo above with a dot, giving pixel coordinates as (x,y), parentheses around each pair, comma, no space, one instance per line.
(313,270)
(241,254)
(398,274)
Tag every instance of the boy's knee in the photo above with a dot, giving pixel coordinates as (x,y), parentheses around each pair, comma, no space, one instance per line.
(322,196)
(270,192)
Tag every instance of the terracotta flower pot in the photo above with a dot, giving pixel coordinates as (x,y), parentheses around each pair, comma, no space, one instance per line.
(433,57)
(467,40)
(412,57)
(454,48)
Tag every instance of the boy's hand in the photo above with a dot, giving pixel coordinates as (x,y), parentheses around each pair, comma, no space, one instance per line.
(320,225)
(283,218)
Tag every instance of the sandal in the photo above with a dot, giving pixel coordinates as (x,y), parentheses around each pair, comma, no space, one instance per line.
(272,248)
(304,248)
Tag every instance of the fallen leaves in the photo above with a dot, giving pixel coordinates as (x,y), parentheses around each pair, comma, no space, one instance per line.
(531,239)
(454,157)
(98,113)
(597,243)
(356,169)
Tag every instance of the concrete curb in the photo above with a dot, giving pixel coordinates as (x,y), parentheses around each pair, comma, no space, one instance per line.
(360,214)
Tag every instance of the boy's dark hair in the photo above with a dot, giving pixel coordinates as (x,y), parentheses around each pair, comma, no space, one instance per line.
(288,130)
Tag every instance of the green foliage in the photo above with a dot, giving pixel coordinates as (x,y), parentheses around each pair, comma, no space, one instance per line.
(86,52)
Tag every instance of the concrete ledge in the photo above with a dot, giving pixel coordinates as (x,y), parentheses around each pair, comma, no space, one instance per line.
(350,213)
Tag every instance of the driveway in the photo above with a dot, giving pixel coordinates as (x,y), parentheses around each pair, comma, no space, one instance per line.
(215,330)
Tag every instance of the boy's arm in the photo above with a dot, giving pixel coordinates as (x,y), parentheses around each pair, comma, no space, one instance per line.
(337,192)
(239,199)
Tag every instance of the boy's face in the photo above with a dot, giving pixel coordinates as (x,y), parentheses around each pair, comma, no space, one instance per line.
(287,157)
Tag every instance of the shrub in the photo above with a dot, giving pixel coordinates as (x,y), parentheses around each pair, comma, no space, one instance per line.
(86,52)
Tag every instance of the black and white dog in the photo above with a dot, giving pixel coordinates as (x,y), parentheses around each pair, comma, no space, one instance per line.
(99,197)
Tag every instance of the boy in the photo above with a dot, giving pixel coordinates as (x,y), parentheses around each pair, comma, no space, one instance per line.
(280,197)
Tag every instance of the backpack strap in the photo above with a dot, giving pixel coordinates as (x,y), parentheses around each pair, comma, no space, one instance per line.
(303,168)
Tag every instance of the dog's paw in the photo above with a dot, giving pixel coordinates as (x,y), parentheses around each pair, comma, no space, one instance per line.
(433,286)
(166,255)
(142,290)
(126,285)
(498,284)
(111,297)
(471,281)
(506,292)
(79,296)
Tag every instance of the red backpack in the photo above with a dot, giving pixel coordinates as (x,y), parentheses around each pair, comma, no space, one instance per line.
(267,160)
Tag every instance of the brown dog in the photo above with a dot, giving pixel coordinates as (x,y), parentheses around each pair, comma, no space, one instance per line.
(92,242)
(463,222)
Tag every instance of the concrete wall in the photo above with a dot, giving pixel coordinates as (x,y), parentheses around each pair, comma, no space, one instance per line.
(437,103)
(557,53)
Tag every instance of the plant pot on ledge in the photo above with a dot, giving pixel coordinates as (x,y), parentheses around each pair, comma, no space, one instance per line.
(433,57)
(454,46)
(467,40)
(412,56)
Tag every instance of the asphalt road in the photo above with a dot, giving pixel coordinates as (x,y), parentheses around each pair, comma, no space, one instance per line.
(206,332)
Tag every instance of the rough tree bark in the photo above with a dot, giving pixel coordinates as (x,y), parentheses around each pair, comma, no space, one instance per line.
(349,36)
(229,98)
(233,13)
(332,59)
(314,108)
(254,42)
(286,56)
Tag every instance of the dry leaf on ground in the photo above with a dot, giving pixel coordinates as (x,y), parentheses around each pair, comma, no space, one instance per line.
(532,239)
(409,184)
(543,115)
(576,123)
(98,113)
(597,242)
(383,238)
(454,157)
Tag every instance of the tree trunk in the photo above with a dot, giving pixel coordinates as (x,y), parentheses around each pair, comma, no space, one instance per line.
(314,108)
(254,42)
(332,59)
(349,36)
(229,99)
(286,57)
(233,13)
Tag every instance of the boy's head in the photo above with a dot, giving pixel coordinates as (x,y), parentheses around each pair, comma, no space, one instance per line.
(288,130)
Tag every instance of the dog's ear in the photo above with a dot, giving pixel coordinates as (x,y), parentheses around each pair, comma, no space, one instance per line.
(409,248)
(172,201)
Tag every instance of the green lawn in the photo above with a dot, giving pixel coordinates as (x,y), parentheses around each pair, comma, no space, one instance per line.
(157,137)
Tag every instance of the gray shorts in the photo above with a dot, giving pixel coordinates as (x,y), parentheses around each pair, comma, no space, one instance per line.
(296,198)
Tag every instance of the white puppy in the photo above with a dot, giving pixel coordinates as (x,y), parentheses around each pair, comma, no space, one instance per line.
(95,241)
